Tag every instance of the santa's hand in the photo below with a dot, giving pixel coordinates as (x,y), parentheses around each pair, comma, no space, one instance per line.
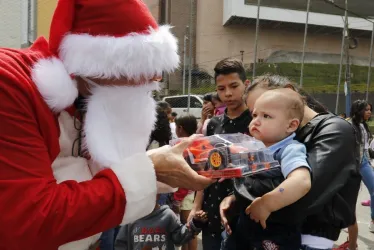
(172,169)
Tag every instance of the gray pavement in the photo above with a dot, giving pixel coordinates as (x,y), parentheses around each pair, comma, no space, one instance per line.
(365,238)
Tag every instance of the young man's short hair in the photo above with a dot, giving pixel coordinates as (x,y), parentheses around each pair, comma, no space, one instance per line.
(229,66)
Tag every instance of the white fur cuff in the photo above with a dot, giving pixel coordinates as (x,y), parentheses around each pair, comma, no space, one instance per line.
(138,179)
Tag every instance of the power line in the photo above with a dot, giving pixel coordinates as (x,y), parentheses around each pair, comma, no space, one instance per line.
(344,9)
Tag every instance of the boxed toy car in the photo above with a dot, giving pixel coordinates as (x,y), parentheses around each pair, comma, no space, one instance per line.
(228,156)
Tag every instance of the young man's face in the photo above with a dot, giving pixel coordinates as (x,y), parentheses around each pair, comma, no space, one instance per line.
(230,89)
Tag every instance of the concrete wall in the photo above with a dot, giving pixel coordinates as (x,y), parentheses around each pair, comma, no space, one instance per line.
(215,41)
(13,23)
(45,10)
(153,6)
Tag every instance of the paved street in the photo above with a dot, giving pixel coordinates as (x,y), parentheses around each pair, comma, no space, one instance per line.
(365,238)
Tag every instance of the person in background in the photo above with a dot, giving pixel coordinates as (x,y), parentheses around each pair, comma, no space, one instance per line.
(360,114)
(183,199)
(231,81)
(219,106)
(161,135)
(159,230)
(207,112)
(172,125)
(173,116)
(367,203)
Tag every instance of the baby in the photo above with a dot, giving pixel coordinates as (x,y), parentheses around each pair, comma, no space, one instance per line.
(276,116)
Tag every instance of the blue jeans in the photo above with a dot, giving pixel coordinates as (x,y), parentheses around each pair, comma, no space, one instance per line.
(311,248)
(367,173)
(108,238)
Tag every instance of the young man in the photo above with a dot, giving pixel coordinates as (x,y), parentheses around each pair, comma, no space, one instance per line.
(231,82)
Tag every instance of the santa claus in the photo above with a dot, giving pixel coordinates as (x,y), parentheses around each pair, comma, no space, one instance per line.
(66,176)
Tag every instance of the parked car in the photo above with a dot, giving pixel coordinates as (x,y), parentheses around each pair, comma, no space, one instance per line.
(179,104)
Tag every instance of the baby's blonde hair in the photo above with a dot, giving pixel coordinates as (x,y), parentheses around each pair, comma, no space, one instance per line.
(293,102)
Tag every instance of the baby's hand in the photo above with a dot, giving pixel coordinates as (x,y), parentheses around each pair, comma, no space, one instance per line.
(258,211)
(201,216)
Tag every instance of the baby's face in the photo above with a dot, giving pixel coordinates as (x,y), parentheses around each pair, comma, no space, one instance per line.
(270,123)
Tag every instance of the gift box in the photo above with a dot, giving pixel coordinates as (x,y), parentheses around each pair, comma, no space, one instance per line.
(228,156)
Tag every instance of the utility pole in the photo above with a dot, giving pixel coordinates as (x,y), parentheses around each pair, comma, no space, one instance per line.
(256,37)
(370,61)
(347,83)
(242,54)
(304,45)
(344,41)
(190,57)
(184,60)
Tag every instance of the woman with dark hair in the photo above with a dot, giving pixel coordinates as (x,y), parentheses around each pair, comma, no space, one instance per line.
(360,114)
(161,134)
(329,206)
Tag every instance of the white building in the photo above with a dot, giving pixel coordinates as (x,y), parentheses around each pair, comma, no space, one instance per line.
(17,28)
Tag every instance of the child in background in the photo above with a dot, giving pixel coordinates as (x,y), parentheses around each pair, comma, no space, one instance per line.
(172,125)
(159,230)
(219,106)
(207,112)
(183,199)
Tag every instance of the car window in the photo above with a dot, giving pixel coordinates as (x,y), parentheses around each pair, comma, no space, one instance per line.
(195,103)
(177,102)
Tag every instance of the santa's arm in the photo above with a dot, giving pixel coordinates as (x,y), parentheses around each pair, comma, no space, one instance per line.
(36,210)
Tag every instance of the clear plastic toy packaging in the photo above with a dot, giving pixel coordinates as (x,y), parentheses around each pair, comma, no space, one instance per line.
(228,156)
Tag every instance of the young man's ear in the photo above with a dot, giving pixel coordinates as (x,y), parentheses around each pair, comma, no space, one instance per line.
(294,124)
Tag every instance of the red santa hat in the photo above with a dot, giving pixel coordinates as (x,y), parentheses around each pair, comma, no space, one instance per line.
(102,39)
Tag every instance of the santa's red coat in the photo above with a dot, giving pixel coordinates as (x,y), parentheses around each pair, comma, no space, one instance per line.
(36,211)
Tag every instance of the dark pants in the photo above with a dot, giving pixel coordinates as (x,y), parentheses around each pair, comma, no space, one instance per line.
(108,238)
(250,235)
(211,241)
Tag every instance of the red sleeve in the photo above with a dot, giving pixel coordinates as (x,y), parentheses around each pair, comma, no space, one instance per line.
(35,211)
(180,194)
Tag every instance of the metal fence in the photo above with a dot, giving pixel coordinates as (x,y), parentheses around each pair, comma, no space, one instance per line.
(330,62)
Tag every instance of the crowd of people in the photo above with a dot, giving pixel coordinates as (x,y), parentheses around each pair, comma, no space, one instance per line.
(86,162)
(306,204)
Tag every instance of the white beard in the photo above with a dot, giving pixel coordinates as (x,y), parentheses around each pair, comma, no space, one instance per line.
(118,122)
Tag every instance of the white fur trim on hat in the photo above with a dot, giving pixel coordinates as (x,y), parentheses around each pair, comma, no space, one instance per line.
(138,179)
(131,56)
(54,83)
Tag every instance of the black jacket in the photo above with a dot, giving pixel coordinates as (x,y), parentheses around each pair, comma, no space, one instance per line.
(333,155)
